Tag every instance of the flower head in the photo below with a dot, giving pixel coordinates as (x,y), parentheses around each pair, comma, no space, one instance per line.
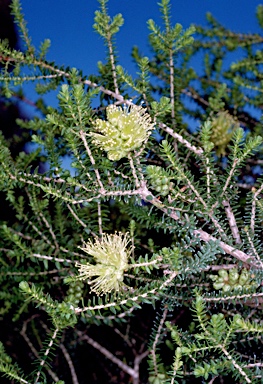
(125,130)
(111,255)
(223,127)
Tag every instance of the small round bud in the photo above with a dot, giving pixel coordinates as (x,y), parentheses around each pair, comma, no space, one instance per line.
(24,286)
(223,273)
(233,276)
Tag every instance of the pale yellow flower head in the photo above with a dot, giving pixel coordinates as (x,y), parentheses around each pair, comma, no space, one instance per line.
(126,129)
(223,127)
(111,253)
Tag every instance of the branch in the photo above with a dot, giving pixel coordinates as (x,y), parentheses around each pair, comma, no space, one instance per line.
(50,344)
(187,144)
(130,371)
(70,364)
(155,342)
(232,221)
(240,255)
(33,349)
(253,209)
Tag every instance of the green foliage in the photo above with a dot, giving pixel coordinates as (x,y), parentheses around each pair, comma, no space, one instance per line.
(9,369)
(212,344)
(62,314)
(103,23)
(151,225)
(173,38)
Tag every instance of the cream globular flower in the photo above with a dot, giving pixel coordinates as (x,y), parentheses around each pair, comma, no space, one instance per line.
(126,129)
(223,127)
(111,253)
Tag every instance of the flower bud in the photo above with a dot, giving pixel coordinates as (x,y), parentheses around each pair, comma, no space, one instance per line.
(233,276)
(223,273)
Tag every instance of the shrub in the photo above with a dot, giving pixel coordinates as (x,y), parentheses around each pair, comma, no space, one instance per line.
(149,246)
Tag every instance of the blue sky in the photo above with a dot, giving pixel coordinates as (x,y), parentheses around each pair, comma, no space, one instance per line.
(68,24)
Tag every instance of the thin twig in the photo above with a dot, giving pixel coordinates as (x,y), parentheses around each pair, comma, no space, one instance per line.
(238,367)
(33,349)
(240,255)
(136,365)
(146,264)
(253,208)
(171,67)
(49,227)
(213,379)
(99,218)
(113,67)
(76,217)
(134,174)
(255,254)
(70,364)
(232,222)
(83,137)
(45,257)
(187,144)
(130,371)
(50,344)
(234,297)
(131,299)
(156,340)
(231,173)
